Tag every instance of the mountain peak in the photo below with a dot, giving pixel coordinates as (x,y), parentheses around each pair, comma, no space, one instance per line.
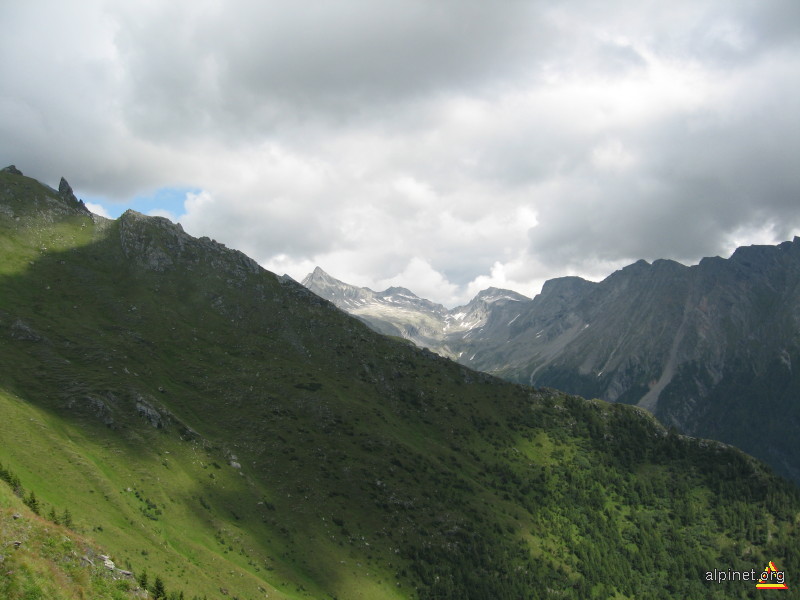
(65,191)
(494,294)
(64,188)
(11,169)
(400,290)
(318,277)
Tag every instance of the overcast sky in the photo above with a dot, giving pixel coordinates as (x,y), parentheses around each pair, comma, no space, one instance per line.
(441,145)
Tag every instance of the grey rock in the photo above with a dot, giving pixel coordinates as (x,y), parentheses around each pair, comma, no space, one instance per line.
(65,189)
(66,193)
(150,413)
(11,169)
(24,332)
(158,244)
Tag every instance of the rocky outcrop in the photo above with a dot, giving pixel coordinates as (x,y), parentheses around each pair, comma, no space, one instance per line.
(94,406)
(158,244)
(148,412)
(65,191)
(20,330)
(153,243)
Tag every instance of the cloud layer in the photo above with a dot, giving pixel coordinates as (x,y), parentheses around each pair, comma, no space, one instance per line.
(440,146)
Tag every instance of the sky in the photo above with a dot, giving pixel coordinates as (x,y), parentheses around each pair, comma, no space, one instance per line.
(440,145)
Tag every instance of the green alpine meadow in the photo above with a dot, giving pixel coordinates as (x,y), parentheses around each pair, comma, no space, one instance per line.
(215,431)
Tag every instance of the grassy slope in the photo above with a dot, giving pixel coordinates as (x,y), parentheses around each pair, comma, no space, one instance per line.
(210,424)
(51,562)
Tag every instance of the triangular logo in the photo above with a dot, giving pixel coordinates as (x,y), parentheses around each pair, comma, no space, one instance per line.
(772,579)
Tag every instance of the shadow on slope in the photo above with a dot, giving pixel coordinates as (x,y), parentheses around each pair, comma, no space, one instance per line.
(244,433)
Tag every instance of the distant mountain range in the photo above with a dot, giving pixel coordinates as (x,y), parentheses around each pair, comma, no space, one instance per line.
(399,312)
(712,349)
(216,431)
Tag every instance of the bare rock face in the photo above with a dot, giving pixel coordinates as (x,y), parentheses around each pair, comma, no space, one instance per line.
(65,191)
(151,242)
(148,412)
(158,244)
(11,169)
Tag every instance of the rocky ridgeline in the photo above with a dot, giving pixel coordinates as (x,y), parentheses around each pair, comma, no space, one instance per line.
(399,312)
(705,348)
(158,244)
(39,207)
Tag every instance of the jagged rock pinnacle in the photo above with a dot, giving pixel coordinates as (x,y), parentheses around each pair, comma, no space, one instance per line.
(65,190)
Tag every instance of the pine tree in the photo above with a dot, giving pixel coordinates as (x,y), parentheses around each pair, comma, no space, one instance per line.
(32,502)
(158,591)
(16,485)
(142,579)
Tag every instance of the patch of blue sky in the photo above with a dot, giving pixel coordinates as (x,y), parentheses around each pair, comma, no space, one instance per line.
(164,202)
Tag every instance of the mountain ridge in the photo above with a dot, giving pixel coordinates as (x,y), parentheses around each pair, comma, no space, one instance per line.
(668,337)
(398,311)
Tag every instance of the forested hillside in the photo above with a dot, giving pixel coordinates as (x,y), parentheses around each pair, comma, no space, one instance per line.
(231,433)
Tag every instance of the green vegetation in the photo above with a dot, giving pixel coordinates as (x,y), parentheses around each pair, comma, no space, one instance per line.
(40,560)
(226,434)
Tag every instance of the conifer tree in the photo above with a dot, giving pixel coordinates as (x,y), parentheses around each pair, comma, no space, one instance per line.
(158,591)
(142,579)
(32,502)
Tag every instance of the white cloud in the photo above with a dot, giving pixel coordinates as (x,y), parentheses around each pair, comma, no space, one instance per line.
(425,281)
(160,212)
(459,144)
(98,209)
(612,156)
